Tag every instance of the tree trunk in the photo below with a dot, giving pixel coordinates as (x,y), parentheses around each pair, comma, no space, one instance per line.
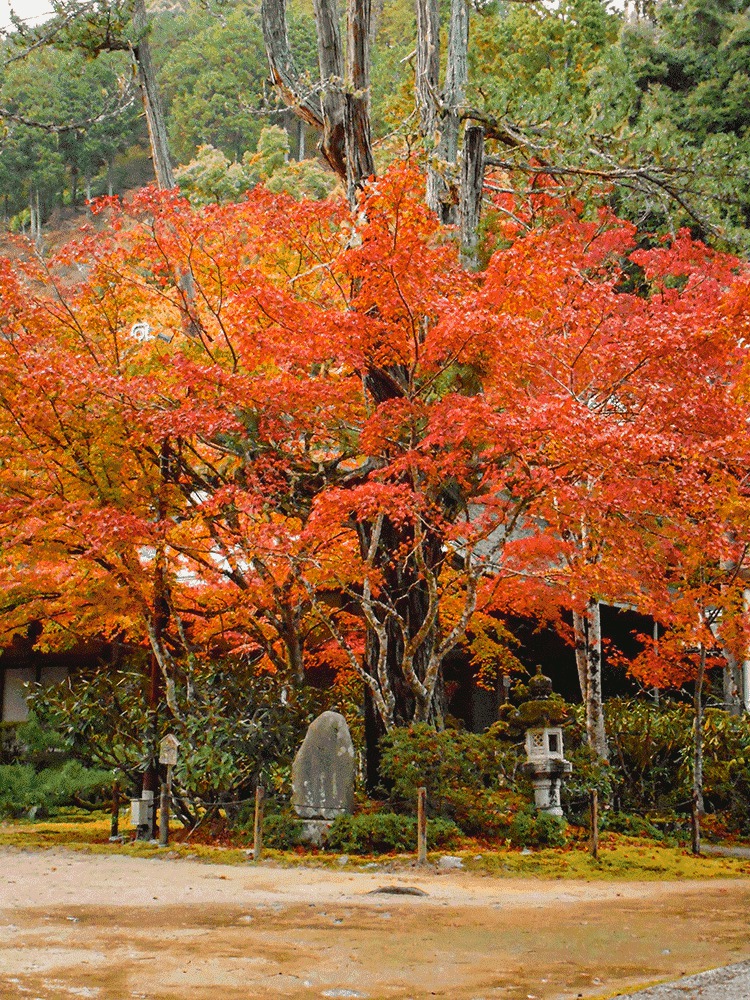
(732,678)
(426,87)
(157,131)
(698,733)
(331,63)
(359,161)
(439,114)
(588,643)
(472,182)
(283,70)
(454,92)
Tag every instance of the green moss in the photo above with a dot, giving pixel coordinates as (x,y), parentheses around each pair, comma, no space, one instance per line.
(620,857)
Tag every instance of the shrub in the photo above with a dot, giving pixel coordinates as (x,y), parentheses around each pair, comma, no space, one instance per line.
(529,828)
(379,833)
(26,791)
(282,830)
(235,728)
(651,752)
(454,766)
(633,826)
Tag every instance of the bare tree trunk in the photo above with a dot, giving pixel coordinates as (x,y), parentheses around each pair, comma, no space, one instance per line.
(439,114)
(698,734)
(427,83)
(456,78)
(579,635)
(331,62)
(325,112)
(32,216)
(359,161)
(472,181)
(732,678)
(588,640)
(283,70)
(157,131)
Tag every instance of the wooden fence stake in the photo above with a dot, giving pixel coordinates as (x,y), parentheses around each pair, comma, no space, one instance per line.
(114,823)
(695,824)
(594,845)
(422,826)
(166,794)
(258,824)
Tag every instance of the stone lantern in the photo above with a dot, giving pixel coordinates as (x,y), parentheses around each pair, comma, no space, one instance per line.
(545,763)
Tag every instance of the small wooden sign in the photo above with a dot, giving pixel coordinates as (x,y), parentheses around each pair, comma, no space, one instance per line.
(168,749)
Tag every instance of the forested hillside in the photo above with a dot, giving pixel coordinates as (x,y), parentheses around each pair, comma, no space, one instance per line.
(647,108)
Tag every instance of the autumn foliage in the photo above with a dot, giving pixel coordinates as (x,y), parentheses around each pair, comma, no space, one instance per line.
(287,432)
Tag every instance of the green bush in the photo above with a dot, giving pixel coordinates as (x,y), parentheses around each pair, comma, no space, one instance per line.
(234,729)
(633,826)
(379,833)
(26,791)
(651,753)
(282,830)
(529,828)
(468,776)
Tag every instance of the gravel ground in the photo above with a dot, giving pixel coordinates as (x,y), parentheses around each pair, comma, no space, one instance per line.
(730,983)
(103,927)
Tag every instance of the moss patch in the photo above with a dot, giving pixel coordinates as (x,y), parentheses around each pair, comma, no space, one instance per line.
(620,857)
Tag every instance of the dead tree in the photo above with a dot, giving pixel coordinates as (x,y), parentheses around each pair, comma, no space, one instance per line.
(440,112)
(339,107)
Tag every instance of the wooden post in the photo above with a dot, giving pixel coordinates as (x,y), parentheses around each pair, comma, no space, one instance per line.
(114,823)
(258,824)
(695,823)
(594,844)
(422,826)
(166,794)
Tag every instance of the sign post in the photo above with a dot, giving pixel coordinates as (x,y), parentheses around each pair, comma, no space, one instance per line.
(167,755)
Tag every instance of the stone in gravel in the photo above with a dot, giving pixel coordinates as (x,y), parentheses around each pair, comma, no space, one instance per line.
(323,770)
(397,890)
(448,861)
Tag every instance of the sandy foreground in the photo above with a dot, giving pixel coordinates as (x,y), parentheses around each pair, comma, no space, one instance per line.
(115,928)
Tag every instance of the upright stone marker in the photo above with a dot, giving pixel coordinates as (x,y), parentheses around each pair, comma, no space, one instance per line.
(323,774)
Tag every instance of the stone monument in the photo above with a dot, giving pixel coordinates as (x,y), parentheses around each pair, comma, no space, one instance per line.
(323,775)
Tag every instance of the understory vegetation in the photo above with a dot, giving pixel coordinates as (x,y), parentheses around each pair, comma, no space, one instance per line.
(475,785)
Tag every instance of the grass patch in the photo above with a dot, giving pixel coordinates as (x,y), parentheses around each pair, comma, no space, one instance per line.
(620,857)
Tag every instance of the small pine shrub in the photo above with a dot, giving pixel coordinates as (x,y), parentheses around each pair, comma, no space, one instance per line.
(26,791)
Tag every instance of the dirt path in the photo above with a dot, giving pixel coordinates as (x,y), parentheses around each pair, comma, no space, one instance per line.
(116,928)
